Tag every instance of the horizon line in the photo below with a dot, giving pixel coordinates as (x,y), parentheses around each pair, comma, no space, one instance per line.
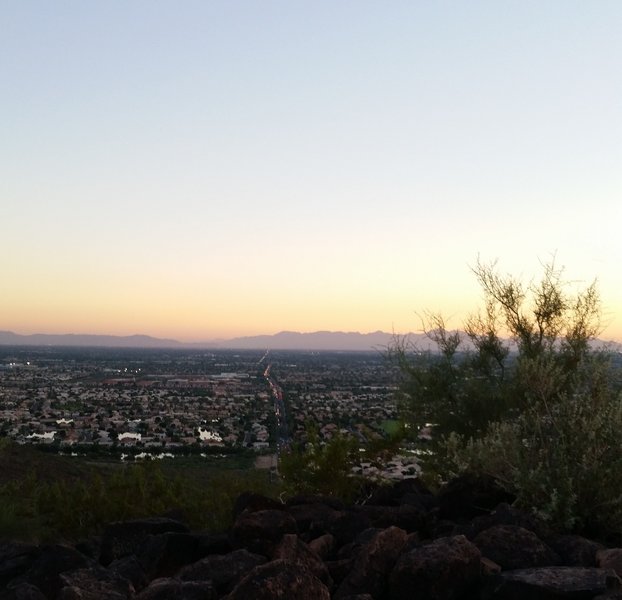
(218,340)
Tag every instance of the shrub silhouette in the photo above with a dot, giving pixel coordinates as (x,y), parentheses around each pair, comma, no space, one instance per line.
(541,413)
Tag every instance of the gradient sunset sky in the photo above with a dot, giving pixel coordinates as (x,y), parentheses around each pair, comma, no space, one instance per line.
(206,169)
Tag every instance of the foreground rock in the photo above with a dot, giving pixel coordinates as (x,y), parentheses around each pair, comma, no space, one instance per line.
(280,579)
(446,568)
(223,571)
(404,544)
(370,571)
(552,583)
(292,549)
(122,539)
(513,547)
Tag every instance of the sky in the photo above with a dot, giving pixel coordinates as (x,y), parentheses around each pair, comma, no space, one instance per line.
(210,169)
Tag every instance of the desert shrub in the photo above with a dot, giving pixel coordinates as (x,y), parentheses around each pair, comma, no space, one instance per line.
(318,467)
(562,460)
(542,413)
(329,467)
(449,391)
(477,377)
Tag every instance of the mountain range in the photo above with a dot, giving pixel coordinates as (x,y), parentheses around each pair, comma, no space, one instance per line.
(285,340)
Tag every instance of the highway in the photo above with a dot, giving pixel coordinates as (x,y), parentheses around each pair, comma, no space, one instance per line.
(282,425)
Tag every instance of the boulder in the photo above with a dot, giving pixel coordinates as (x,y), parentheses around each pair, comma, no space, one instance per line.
(575,550)
(323,546)
(504,514)
(251,502)
(163,555)
(441,570)
(371,568)
(224,571)
(15,558)
(46,570)
(339,569)
(90,547)
(488,567)
(213,543)
(22,591)
(130,568)
(279,580)
(551,583)
(124,538)
(514,547)
(406,491)
(348,526)
(95,583)
(292,549)
(168,588)
(610,558)
(265,524)
(438,528)
(316,516)
(260,531)
(405,516)
(469,496)
(352,549)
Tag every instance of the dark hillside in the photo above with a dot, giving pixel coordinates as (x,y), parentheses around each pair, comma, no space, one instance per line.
(45,497)
(18,462)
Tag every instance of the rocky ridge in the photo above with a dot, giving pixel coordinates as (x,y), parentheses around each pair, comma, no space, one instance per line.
(466,542)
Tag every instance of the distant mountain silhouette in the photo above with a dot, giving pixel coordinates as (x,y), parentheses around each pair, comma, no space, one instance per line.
(8,338)
(320,340)
(284,340)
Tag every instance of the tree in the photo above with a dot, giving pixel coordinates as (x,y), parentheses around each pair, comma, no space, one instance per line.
(541,412)
(477,377)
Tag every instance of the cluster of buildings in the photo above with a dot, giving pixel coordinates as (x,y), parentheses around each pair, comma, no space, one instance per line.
(91,403)
(156,401)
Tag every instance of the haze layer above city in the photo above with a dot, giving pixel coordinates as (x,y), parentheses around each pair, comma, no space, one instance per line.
(218,170)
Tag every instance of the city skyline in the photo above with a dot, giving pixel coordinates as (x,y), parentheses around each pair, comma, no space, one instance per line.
(217,170)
